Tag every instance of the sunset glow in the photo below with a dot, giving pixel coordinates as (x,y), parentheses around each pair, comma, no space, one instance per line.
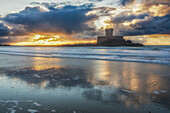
(61,24)
(54,40)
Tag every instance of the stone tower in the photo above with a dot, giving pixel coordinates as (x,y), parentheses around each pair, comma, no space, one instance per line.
(109,32)
(110,40)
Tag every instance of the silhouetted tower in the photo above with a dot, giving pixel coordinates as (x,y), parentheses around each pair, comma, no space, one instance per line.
(110,40)
(109,32)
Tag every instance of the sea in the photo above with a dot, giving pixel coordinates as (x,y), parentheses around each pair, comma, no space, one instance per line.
(146,54)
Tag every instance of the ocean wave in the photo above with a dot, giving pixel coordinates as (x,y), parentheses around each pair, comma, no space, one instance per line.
(129,54)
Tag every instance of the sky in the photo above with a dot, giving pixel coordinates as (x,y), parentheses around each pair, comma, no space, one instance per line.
(58,22)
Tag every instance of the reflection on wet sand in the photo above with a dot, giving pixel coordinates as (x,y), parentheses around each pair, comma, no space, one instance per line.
(37,65)
(51,77)
(135,85)
(102,81)
(127,75)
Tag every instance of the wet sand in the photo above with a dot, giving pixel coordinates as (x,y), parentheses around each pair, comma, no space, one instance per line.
(44,85)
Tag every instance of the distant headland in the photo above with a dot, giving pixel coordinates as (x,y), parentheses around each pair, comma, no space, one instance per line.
(4,45)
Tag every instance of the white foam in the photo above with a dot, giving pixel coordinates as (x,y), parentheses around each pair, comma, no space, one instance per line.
(138,54)
(12,110)
(156,92)
(32,110)
(10,101)
(36,104)
(53,110)
(125,90)
(36,75)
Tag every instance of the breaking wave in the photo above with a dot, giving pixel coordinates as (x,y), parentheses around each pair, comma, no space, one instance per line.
(148,54)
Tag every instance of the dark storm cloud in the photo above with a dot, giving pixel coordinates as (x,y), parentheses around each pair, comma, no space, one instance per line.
(4,31)
(68,19)
(152,25)
(11,39)
(72,19)
(124,16)
(2,40)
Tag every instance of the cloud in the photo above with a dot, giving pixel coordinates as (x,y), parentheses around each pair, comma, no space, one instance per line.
(148,25)
(130,23)
(148,17)
(149,3)
(68,19)
(51,5)
(4,30)
(127,16)
(35,3)
(4,40)
(125,2)
(146,3)
(103,11)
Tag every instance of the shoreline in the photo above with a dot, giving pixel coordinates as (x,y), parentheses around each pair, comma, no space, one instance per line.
(74,45)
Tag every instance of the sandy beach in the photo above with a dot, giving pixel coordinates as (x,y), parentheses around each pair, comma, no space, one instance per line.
(84,56)
(63,85)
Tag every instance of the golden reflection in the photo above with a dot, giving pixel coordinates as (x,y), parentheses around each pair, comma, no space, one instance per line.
(134,82)
(154,83)
(103,74)
(41,63)
(134,78)
(15,79)
(43,84)
(125,75)
(1,75)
